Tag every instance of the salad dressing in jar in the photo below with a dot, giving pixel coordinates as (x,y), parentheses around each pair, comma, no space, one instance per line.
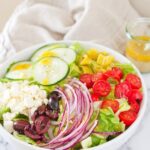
(138,45)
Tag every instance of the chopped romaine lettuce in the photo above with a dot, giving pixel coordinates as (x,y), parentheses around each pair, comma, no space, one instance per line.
(86,143)
(74,70)
(126,68)
(111,95)
(124,106)
(109,122)
(77,146)
(20,117)
(24,138)
(93,140)
(3,110)
(79,50)
(97,139)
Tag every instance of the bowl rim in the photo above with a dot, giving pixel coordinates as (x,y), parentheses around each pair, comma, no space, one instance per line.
(101,47)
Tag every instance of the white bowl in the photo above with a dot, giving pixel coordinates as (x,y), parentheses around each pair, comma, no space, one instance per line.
(111,145)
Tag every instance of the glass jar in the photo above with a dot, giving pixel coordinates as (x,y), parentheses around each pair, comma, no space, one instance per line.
(138,44)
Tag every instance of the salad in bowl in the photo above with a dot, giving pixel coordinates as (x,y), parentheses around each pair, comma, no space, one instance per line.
(69,96)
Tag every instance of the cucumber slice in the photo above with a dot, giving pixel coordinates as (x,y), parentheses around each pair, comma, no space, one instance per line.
(19,70)
(50,70)
(66,54)
(37,54)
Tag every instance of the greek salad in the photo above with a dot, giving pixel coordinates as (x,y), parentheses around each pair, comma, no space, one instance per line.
(68,97)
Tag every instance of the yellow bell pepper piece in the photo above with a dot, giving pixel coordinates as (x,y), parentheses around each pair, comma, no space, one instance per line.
(86,61)
(104,60)
(107,60)
(100,59)
(86,69)
(93,54)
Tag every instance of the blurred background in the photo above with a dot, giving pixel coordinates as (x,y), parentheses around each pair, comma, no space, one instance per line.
(8,6)
(6,9)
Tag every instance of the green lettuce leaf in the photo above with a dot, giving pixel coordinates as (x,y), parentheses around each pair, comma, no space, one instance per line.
(20,117)
(124,106)
(79,50)
(3,110)
(126,68)
(93,140)
(98,139)
(74,70)
(24,138)
(109,122)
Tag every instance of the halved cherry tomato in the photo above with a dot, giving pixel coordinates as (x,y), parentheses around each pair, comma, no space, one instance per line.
(134,80)
(97,76)
(113,104)
(136,96)
(102,88)
(95,97)
(118,72)
(135,107)
(115,73)
(123,90)
(87,79)
(128,117)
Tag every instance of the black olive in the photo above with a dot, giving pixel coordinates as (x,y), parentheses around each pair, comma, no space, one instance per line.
(55,95)
(53,104)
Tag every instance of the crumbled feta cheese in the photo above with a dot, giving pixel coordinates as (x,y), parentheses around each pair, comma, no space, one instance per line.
(21,97)
(8,125)
(8,116)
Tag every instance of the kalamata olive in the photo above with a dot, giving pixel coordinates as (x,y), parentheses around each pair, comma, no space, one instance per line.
(42,124)
(34,116)
(52,114)
(41,110)
(55,95)
(53,103)
(20,125)
(29,131)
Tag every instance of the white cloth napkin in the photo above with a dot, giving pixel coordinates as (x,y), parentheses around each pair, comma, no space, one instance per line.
(36,21)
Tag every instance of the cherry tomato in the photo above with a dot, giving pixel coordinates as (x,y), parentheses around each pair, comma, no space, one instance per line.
(118,72)
(95,97)
(134,107)
(113,104)
(128,117)
(97,76)
(102,88)
(108,74)
(87,79)
(136,96)
(134,80)
(123,90)
(115,73)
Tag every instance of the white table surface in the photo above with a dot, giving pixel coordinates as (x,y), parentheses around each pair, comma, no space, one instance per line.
(140,141)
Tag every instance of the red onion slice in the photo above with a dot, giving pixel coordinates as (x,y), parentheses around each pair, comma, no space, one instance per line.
(74,125)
